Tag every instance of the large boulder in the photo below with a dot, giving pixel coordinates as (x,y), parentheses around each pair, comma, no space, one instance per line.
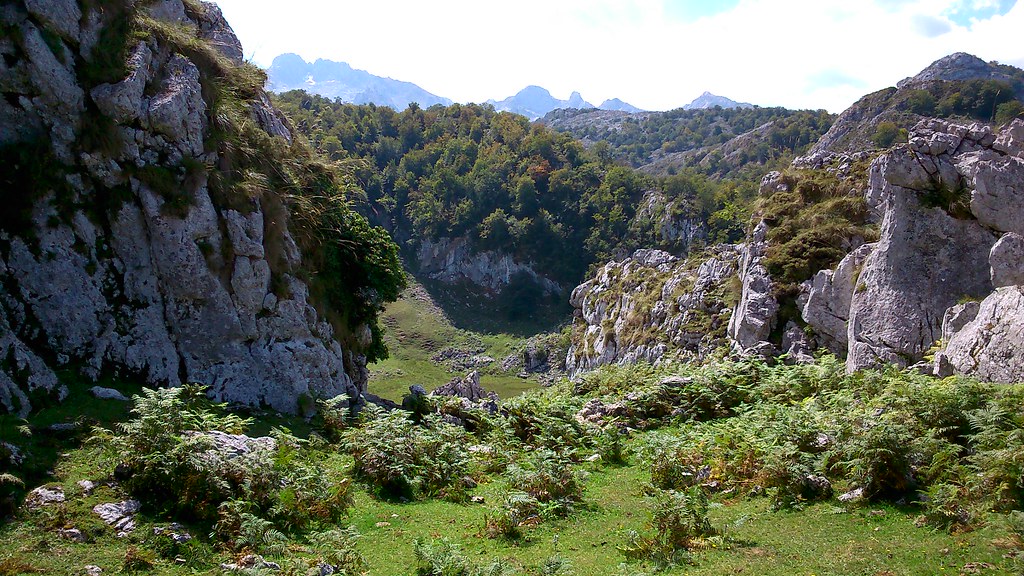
(1007,261)
(825,300)
(991,346)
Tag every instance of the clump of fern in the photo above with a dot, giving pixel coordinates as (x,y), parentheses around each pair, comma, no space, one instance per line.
(518,510)
(679,526)
(400,458)
(169,459)
(444,558)
(337,548)
(551,479)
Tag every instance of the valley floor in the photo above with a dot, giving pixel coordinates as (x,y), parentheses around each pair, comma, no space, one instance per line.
(427,348)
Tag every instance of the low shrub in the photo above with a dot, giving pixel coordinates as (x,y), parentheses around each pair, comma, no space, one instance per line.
(337,548)
(546,420)
(998,451)
(171,457)
(551,479)
(518,510)
(240,528)
(944,506)
(403,459)
(672,464)
(679,525)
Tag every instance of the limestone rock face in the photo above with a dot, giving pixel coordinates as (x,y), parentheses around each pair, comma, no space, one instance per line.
(755,315)
(104,272)
(649,306)
(216,30)
(453,260)
(949,257)
(675,232)
(826,299)
(926,259)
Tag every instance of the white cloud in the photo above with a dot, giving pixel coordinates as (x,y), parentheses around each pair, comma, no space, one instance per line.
(769,52)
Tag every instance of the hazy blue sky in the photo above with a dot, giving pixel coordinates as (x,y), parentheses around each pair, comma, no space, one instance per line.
(655,54)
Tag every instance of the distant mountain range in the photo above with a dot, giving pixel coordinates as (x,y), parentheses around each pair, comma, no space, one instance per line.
(535,102)
(339,80)
(708,100)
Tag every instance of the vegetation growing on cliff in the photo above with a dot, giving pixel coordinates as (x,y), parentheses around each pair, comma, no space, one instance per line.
(815,218)
(352,268)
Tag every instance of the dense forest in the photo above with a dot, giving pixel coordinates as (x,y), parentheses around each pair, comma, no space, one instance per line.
(467,170)
(640,139)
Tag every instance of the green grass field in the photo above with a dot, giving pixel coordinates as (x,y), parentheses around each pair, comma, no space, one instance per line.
(822,539)
(417,328)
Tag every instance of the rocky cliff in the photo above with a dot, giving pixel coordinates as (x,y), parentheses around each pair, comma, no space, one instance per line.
(454,260)
(958,85)
(146,232)
(652,305)
(946,268)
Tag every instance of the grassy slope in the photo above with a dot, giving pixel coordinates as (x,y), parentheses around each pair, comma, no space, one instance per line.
(417,329)
(822,539)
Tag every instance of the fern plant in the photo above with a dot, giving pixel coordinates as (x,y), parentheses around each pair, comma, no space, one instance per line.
(680,526)
(444,558)
(518,510)
(337,547)
(551,479)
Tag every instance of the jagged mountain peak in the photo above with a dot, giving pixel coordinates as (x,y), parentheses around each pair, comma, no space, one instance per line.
(340,80)
(534,102)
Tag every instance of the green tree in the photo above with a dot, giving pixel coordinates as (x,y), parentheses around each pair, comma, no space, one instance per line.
(885,134)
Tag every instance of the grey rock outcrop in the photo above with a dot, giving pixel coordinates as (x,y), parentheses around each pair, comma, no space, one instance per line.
(1007,261)
(755,315)
(215,29)
(453,260)
(120,515)
(796,345)
(651,305)
(674,231)
(949,207)
(957,317)
(468,388)
(44,496)
(991,345)
(927,259)
(106,270)
(825,301)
